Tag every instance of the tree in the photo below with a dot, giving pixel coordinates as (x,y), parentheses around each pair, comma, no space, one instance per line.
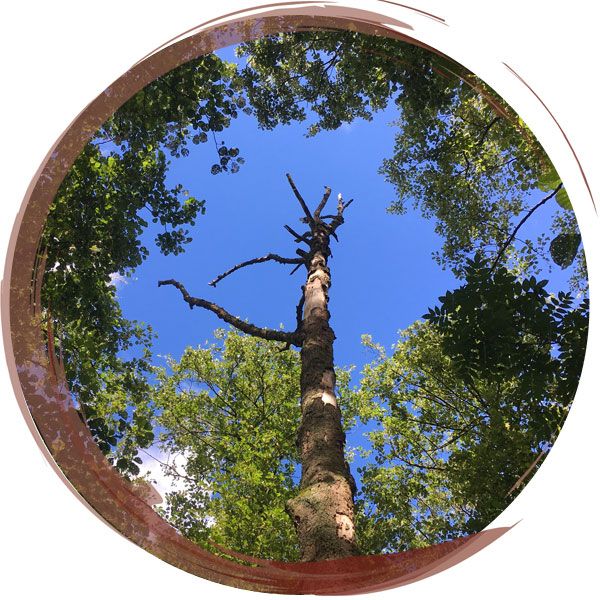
(91,241)
(462,156)
(228,410)
(469,403)
(472,165)
(323,510)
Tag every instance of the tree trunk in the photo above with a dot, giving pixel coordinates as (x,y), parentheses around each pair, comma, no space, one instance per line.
(323,510)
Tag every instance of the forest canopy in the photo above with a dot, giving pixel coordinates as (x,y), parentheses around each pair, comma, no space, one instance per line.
(450,419)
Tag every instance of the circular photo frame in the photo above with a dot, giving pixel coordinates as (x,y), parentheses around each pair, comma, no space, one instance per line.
(39,372)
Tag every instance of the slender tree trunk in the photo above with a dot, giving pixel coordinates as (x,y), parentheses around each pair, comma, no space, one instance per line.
(323,510)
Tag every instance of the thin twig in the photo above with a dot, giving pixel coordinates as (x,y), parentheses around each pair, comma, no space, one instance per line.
(296,268)
(297,236)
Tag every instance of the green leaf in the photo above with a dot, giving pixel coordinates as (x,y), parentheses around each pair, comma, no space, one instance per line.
(562,199)
(563,248)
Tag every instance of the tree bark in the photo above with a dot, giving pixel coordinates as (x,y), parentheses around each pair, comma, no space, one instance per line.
(323,510)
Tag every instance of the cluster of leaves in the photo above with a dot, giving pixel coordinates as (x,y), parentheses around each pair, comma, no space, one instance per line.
(465,404)
(91,239)
(231,410)
(229,160)
(339,75)
(498,325)
(187,104)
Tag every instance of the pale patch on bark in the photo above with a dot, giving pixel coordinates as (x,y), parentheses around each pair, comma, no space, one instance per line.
(318,273)
(328,384)
(345,527)
(328,398)
(315,298)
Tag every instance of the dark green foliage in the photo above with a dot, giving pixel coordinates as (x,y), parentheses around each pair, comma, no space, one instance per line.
(468,401)
(499,327)
(340,75)
(563,248)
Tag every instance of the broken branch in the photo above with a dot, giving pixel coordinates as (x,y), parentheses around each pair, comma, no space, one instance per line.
(331,227)
(511,237)
(298,237)
(323,202)
(245,327)
(254,261)
(300,199)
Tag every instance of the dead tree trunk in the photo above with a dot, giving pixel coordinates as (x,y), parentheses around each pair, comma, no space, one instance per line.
(323,509)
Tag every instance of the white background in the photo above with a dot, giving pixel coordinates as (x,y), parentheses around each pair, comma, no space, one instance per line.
(57,56)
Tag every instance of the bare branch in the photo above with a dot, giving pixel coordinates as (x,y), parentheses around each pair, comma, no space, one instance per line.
(300,199)
(529,469)
(511,237)
(487,128)
(331,227)
(171,468)
(337,220)
(299,309)
(323,202)
(254,261)
(296,268)
(298,237)
(245,327)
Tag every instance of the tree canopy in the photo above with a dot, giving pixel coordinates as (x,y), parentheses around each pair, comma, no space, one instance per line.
(91,241)
(468,399)
(462,156)
(230,410)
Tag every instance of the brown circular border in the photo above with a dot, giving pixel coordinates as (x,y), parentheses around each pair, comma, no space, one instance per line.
(45,399)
